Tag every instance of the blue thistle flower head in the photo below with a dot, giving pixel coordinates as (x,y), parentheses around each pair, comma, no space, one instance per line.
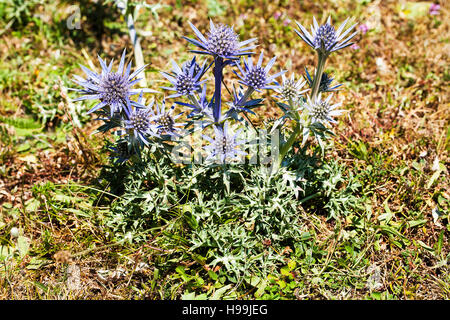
(290,90)
(139,124)
(321,110)
(326,36)
(325,82)
(256,76)
(224,146)
(185,80)
(165,120)
(325,39)
(186,67)
(113,89)
(221,41)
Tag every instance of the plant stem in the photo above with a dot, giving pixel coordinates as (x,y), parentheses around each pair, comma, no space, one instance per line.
(318,76)
(297,130)
(312,196)
(249,121)
(218,75)
(313,96)
(286,146)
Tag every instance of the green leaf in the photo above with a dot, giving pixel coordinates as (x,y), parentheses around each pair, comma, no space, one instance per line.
(180,269)
(388,215)
(32,205)
(416,166)
(416,223)
(425,246)
(200,259)
(5,252)
(292,264)
(226,180)
(261,288)
(215,8)
(23,147)
(192,296)
(64,198)
(285,271)
(281,283)
(23,244)
(439,242)
(254,281)
(78,212)
(21,122)
(212,275)
(391,231)
(305,236)
(376,295)
(433,178)
(41,286)
(7,205)
(220,292)
(190,218)
(36,263)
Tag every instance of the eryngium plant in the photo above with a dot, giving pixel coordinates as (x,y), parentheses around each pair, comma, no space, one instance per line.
(140,125)
(313,115)
(113,92)
(223,45)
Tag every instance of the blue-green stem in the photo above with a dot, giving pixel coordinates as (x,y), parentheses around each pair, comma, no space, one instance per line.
(318,76)
(285,147)
(313,96)
(288,144)
(218,75)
